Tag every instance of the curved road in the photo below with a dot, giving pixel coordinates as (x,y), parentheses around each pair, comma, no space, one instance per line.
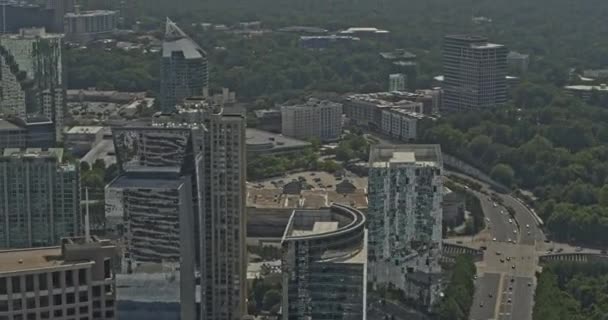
(506,283)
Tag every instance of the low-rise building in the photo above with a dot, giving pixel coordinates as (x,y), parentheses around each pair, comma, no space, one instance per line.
(397,82)
(365,32)
(74,281)
(586,92)
(320,119)
(365,110)
(518,61)
(81,139)
(267,143)
(324,264)
(268,120)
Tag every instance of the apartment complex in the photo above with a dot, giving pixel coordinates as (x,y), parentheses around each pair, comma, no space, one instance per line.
(315,118)
(73,281)
(39,198)
(86,26)
(183,72)
(397,82)
(400,124)
(404,220)
(220,153)
(324,264)
(37,55)
(474,73)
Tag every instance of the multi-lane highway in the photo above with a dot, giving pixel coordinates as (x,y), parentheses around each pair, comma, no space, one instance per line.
(506,276)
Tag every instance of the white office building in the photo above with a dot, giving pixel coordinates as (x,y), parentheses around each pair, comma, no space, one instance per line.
(320,119)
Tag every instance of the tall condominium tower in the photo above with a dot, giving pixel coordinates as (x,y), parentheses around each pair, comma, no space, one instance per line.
(474,73)
(31,76)
(404,215)
(39,198)
(219,143)
(183,71)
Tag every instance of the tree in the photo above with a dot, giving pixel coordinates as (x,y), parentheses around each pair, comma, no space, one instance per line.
(84,166)
(271,299)
(479,145)
(503,173)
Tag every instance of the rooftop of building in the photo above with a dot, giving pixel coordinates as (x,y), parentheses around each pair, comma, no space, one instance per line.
(90,13)
(406,112)
(49,257)
(398,54)
(466,37)
(85,129)
(330,37)
(34,153)
(274,141)
(309,224)
(487,45)
(313,103)
(32,33)
(425,154)
(601,87)
(8,125)
(517,55)
(266,112)
(307,199)
(364,30)
(388,99)
(188,47)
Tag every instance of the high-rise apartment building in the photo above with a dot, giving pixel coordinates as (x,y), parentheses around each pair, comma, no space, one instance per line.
(31,76)
(396,82)
(324,264)
(474,73)
(404,220)
(219,144)
(183,71)
(39,198)
(74,281)
(319,119)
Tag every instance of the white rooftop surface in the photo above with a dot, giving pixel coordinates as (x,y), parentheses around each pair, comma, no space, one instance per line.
(318,228)
(587,88)
(487,46)
(403,157)
(85,129)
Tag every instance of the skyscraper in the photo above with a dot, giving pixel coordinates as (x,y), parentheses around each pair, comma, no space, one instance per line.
(183,71)
(404,215)
(31,77)
(39,198)
(474,73)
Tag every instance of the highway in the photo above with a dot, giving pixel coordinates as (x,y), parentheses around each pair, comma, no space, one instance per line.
(506,276)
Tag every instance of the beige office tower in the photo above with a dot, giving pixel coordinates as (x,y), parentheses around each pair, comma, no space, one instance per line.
(74,281)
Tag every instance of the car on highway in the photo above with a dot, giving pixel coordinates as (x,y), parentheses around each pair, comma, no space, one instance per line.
(529,284)
(488,219)
(502,212)
(513,267)
(515,231)
(490,295)
(498,253)
(527,226)
(494,239)
(494,204)
(508,258)
(512,279)
(510,220)
(509,240)
(513,241)
(509,300)
(502,260)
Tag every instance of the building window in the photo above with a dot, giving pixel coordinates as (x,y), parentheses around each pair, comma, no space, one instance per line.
(82,276)
(58,313)
(70,298)
(29,283)
(107,270)
(69,278)
(3,285)
(30,303)
(83,296)
(17,305)
(42,285)
(84,310)
(45,315)
(44,301)
(110,314)
(71,311)
(57,300)
(16,284)
(31,316)
(56,280)
(96,291)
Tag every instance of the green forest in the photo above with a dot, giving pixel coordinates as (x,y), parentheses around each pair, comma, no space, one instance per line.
(572,291)
(459,292)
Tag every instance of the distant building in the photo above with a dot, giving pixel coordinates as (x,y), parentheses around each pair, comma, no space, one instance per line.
(405,220)
(12,135)
(402,62)
(183,72)
(400,124)
(319,119)
(474,73)
(366,110)
(397,82)
(266,143)
(586,92)
(74,281)
(15,15)
(518,61)
(86,26)
(324,42)
(40,89)
(40,197)
(33,132)
(324,262)
(596,73)
(303,30)
(363,32)
(59,9)
(81,139)
(268,120)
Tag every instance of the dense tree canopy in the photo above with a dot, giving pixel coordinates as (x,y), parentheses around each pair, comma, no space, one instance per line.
(459,293)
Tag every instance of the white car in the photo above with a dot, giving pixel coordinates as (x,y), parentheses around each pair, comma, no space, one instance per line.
(527,226)
(509,240)
(494,239)
(510,220)
(515,231)
(495,205)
